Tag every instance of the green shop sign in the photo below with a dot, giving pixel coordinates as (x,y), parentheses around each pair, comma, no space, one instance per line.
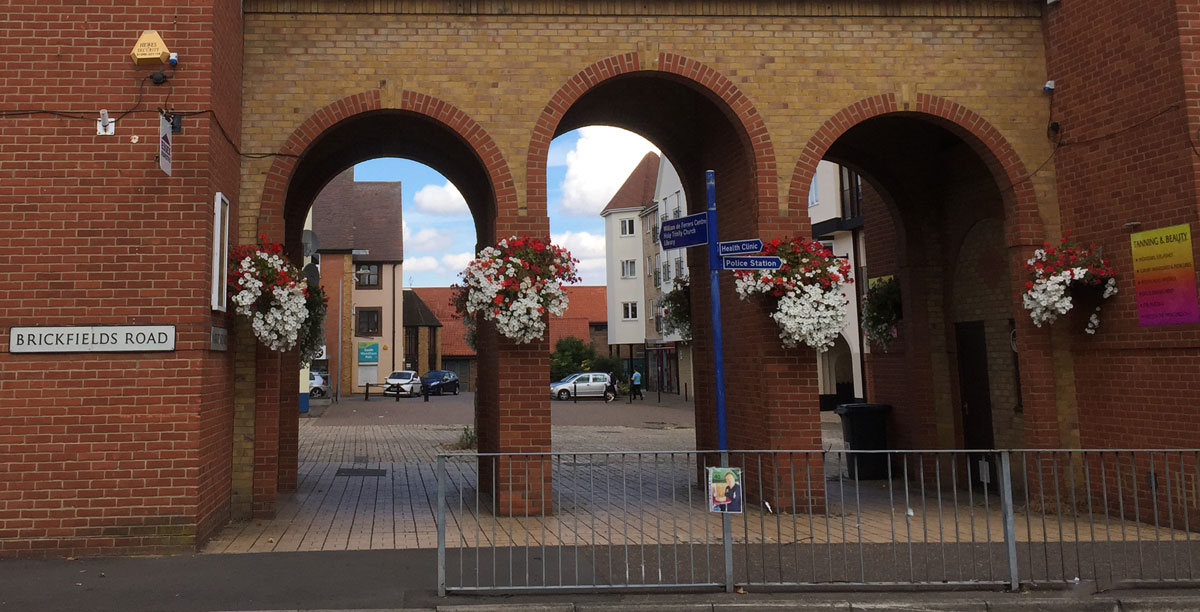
(368,352)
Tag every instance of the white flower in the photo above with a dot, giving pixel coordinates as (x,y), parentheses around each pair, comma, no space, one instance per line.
(519,318)
(807,313)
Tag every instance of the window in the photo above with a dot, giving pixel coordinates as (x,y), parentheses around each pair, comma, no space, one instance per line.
(627,227)
(629,311)
(220,252)
(666,269)
(367,276)
(678,267)
(851,193)
(629,268)
(368,321)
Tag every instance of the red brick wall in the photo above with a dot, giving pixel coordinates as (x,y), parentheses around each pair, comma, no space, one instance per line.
(104,452)
(1126,100)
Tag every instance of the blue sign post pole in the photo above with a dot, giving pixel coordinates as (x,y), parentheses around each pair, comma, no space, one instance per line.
(714,268)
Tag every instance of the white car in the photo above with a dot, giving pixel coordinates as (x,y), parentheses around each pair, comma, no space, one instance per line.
(588,384)
(317,386)
(403,382)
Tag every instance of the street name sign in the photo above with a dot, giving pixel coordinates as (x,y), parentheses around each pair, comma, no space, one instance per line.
(740,247)
(688,231)
(754,262)
(91,339)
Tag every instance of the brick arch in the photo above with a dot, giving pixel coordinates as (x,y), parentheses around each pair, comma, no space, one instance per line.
(274,196)
(700,75)
(1023,223)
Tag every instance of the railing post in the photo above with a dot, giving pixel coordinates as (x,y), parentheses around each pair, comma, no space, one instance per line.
(1006,511)
(441,524)
(727,530)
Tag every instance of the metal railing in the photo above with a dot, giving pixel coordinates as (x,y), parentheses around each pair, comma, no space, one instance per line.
(644,520)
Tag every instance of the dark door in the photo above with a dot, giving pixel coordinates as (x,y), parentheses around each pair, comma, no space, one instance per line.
(976,396)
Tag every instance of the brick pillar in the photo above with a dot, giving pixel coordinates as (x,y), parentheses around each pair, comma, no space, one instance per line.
(266,431)
(513,417)
(244,404)
(289,420)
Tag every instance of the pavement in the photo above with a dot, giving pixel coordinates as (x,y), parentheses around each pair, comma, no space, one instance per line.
(336,546)
(460,410)
(405,580)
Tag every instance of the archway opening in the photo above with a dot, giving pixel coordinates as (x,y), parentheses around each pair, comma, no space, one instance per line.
(694,130)
(930,211)
(367,278)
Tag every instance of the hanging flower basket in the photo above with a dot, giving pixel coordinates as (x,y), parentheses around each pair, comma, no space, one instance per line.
(810,304)
(881,310)
(677,309)
(275,297)
(1061,275)
(515,284)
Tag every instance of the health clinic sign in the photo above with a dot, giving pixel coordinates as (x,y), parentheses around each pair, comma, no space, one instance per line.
(1164,276)
(92,339)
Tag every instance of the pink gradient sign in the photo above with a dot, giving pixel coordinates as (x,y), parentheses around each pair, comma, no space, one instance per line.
(1164,276)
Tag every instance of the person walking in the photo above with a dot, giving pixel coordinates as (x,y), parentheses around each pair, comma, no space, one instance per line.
(610,389)
(635,389)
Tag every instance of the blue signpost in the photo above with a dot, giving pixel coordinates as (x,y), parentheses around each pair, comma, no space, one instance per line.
(741,247)
(685,231)
(752,262)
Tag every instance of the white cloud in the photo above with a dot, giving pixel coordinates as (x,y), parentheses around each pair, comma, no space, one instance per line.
(420,264)
(443,200)
(588,248)
(456,262)
(426,240)
(598,165)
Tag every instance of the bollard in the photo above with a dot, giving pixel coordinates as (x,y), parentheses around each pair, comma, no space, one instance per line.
(575,395)
(425,391)
(397,394)
(685,392)
(367,392)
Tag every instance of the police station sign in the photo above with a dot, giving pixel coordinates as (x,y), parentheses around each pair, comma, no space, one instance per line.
(91,339)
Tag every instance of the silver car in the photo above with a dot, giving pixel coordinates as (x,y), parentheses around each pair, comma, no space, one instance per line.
(588,384)
(403,382)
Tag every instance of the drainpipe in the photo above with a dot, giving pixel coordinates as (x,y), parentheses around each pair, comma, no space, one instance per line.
(394,315)
(859,289)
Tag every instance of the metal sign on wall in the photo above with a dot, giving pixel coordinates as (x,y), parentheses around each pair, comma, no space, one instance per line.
(91,339)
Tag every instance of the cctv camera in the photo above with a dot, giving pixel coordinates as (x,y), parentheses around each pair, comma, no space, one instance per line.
(1049,86)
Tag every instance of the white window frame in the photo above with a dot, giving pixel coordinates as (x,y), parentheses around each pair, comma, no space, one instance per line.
(220,253)
(632,227)
(629,311)
(814,195)
(628,268)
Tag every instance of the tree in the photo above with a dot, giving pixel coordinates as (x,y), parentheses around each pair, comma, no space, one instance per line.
(570,355)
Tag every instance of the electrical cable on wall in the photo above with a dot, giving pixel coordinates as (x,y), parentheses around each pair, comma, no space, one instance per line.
(133,110)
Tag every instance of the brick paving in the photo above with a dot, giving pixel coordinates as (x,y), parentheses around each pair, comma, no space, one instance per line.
(613,499)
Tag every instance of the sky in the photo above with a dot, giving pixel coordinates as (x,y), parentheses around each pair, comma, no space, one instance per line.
(584,170)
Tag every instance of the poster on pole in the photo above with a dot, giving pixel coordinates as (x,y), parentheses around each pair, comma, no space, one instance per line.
(725,490)
(1164,276)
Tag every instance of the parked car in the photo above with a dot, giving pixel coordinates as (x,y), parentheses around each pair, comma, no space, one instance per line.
(403,382)
(317,385)
(441,381)
(588,384)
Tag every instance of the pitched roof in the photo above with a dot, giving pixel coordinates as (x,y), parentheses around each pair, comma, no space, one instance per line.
(454,333)
(586,305)
(638,189)
(350,214)
(416,313)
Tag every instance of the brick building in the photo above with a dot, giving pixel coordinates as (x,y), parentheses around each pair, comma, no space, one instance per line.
(937,103)
(359,229)
(583,319)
